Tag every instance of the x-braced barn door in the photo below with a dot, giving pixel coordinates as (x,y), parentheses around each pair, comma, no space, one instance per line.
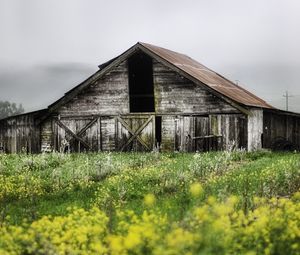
(76,135)
(135,133)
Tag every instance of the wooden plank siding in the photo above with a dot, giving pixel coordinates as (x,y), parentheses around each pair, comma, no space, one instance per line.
(277,125)
(47,136)
(20,134)
(255,129)
(176,94)
(100,136)
(141,126)
(173,94)
(108,95)
(204,133)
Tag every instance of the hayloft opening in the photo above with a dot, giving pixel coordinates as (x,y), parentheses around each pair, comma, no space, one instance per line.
(141,90)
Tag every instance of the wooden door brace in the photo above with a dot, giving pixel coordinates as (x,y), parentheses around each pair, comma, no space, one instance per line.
(79,134)
(85,128)
(136,133)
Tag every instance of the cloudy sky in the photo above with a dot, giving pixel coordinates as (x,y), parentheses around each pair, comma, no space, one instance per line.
(49,46)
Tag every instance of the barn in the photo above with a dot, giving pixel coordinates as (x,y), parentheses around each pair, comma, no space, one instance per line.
(150,97)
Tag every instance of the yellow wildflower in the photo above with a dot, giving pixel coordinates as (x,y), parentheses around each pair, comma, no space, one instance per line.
(196,189)
(132,240)
(149,200)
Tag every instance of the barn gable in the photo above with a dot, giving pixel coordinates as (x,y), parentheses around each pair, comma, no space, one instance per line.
(164,91)
(184,66)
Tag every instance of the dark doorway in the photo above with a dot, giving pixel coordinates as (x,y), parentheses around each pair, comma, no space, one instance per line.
(157,130)
(141,91)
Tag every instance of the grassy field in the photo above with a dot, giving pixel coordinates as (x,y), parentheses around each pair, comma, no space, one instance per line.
(155,203)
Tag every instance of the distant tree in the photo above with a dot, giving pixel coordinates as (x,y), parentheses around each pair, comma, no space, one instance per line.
(9,109)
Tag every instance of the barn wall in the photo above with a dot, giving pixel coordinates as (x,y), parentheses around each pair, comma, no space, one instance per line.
(108,134)
(20,134)
(106,96)
(46,136)
(168,133)
(58,133)
(255,129)
(204,133)
(109,95)
(233,129)
(176,94)
(280,125)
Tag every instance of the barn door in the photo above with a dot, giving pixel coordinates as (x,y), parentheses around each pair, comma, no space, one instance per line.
(197,133)
(201,134)
(184,133)
(207,137)
(76,135)
(135,133)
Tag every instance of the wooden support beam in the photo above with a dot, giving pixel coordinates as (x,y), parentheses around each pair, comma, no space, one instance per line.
(207,136)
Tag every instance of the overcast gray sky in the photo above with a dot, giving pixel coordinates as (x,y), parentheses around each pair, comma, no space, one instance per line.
(49,46)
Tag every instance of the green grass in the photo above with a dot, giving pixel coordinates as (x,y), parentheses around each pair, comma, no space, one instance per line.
(123,179)
(49,204)
(210,203)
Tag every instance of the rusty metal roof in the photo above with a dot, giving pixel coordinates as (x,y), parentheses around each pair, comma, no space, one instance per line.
(208,77)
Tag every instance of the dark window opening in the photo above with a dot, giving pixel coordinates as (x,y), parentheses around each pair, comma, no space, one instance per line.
(158,130)
(141,91)
(66,149)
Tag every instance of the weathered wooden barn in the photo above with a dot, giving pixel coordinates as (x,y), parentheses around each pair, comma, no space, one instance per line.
(151,97)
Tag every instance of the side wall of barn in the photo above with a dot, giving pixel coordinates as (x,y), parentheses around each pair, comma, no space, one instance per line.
(281,129)
(20,134)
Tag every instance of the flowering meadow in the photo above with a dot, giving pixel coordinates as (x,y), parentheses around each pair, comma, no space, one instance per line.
(150,203)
